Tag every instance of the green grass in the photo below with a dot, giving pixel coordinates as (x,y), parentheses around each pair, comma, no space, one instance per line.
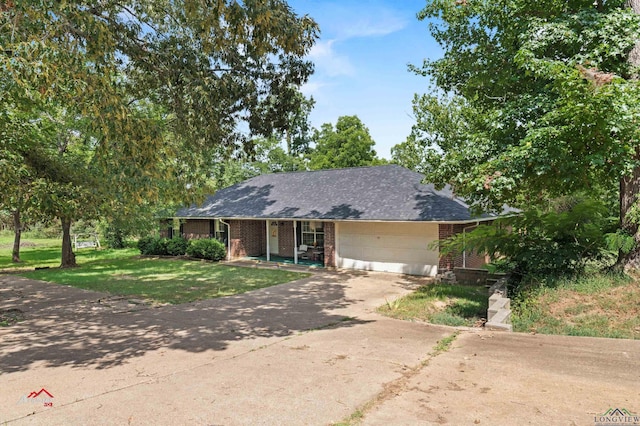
(444,344)
(42,253)
(448,304)
(596,305)
(122,273)
(165,280)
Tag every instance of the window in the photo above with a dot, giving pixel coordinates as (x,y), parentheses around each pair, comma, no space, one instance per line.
(219,231)
(313,234)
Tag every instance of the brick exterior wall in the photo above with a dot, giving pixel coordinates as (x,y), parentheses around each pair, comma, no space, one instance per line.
(248,238)
(196,228)
(447,263)
(474,260)
(329,244)
(471,260)
(286,245)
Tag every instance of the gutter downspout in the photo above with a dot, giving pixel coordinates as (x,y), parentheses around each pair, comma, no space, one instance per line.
(228,238)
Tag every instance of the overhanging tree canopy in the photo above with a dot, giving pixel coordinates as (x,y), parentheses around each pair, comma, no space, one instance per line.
(163,84)
(533,99)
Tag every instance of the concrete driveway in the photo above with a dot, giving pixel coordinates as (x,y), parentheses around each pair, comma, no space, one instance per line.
(308,352)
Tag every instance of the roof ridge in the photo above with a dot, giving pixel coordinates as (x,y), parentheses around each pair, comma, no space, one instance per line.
(331,170)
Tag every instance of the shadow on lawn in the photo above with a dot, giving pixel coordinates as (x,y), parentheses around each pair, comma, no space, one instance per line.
(65,328)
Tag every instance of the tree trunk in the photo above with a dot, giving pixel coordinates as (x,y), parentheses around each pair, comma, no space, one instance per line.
(17,234)
(630,185)
(629,190)
(68,257)
(634,55)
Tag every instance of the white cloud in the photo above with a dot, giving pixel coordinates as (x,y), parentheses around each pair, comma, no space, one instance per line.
(312,88)
(329,62)
(357,18)
(343,21)
(381,23)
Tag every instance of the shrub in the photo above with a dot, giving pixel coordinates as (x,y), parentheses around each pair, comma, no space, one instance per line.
(558,241)
(210,249)
(115,237)
(177,246)
(152,245)
(146,244)
(160,246)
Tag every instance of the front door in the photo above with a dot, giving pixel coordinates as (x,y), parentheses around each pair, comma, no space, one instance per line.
(273,238)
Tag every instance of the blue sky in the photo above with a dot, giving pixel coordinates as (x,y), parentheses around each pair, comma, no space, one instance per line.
(361,63)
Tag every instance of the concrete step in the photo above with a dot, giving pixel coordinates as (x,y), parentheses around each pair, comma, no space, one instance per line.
(498,326)
(502,316)
(499,303)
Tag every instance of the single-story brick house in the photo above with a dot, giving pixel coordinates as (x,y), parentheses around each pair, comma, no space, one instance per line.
(379,218)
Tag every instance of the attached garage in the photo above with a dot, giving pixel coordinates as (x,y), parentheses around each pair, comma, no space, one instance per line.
(398,247)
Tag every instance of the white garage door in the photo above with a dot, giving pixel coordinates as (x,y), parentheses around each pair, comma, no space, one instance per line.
(391,247)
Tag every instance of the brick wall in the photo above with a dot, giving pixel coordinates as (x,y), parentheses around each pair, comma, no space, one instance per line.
(248,238)
(286,245)
(447,263)
(329,244)
(471,260)
(474,260)
(471,276)
(196,228)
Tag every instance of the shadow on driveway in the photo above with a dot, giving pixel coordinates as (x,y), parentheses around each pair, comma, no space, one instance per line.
(66,326)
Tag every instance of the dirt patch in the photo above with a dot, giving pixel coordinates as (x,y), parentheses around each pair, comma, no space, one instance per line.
(441,305)
(10,316)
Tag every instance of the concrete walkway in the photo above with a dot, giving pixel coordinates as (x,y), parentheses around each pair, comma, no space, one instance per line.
(309,352)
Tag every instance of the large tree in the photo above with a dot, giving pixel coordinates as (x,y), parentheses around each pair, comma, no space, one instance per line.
(532,99)
(204,67)
(349,144)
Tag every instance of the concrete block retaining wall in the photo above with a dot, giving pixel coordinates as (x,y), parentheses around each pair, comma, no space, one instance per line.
(499,312)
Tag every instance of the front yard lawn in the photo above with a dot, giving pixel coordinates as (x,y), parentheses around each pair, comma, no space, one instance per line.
(46,252)
(448,304)
(165,280)
(597,305)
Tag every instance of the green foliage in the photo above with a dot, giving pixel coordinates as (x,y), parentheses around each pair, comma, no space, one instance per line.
(534,100)
(153,245)
(111,108)
(176,246)
(210,249)
(620,241)
(348,145)
(118,229)
(84,227)
(45,229)
(267,155)
(409,154)
(555,242)
(114,237)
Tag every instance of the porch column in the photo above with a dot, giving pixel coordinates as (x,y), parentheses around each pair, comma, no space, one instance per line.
(295,242)
(266,222)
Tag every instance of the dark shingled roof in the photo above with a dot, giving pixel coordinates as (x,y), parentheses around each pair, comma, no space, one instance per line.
(385,193)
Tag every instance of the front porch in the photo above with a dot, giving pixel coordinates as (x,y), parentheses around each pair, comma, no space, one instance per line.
(309,243)
(288,260)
